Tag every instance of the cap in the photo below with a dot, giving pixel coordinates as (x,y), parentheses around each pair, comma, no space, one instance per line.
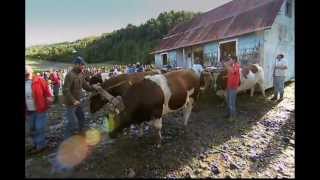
(79,60)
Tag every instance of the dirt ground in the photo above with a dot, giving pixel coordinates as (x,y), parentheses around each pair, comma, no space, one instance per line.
(259,144)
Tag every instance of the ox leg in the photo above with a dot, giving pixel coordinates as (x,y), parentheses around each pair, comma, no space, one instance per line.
(157,123)
(252,91)
(187,111)
(225,102)
(140,131)
(262,89)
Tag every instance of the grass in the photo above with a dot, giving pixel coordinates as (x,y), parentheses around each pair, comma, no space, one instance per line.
(43,65)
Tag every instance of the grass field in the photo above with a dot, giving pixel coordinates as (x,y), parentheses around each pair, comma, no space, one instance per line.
(42,65)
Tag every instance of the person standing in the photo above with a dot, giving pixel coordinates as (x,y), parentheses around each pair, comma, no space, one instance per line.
(56,82)
(38,98)
(197,67)
(72,87)
(233,83)
(139,68)
(279,75)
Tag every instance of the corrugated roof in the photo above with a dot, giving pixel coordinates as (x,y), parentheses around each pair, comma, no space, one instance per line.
(229,20)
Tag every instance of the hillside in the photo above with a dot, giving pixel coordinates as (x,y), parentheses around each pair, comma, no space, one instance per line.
(127,45)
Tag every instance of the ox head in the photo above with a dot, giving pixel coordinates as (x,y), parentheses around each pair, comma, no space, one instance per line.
(206,80)
(221,83)
(97,100)
(115,87)
(95,79)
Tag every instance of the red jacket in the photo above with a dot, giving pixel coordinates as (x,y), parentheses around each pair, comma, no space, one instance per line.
(55,79)
(40,90)
(234,77)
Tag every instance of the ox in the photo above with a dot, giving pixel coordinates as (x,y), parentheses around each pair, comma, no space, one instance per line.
(249,76)
(154,96)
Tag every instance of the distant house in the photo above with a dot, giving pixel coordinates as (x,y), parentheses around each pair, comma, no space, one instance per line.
(254,30)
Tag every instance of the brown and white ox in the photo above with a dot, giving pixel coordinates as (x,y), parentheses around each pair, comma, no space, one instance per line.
(156,95)
(249,76)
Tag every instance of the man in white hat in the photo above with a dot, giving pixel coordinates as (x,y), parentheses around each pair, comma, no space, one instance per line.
(279,75)
(38,98)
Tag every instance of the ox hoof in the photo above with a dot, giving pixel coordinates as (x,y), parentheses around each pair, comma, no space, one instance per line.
(140,136)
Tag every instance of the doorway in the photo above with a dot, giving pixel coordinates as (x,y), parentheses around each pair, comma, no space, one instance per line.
(164,59)
(198,56)
(227,49)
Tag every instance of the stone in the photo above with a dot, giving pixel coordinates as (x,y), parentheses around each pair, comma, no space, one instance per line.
(203,165)
(254,158)
(214,169)
(286,140)
(190,175)
(197,171)
(291,142)
(205,173)
(131,173)
(234,166)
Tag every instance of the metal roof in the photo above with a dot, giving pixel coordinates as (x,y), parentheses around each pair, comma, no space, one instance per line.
(232,19)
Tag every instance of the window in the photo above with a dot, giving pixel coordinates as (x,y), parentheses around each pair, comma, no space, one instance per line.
(289,8)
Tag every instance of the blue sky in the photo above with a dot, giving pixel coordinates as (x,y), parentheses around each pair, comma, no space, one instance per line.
(51,21)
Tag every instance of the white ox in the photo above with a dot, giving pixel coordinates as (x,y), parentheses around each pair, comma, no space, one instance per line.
(249,77)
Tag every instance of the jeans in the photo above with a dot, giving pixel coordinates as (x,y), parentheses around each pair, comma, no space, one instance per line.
(278,83)
(37,124)
(75,120)
(231,100)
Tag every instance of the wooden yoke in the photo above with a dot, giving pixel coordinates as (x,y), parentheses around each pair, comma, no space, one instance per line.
(115,103)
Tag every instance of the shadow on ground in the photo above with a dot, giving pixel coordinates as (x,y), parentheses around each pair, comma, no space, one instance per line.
(181,145)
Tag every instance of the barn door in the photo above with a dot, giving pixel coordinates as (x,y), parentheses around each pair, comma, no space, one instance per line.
(164,59)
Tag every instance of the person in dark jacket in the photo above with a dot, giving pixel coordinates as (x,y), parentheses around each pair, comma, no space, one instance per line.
(72,87)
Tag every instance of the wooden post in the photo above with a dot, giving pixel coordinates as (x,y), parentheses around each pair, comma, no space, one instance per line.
(184,57)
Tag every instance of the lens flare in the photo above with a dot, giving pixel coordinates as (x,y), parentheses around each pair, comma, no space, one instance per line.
(109,123)
(93,137)
(72,151)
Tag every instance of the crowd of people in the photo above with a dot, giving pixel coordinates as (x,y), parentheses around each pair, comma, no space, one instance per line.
(55,78)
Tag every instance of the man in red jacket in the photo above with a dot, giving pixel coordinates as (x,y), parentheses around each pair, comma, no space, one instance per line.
(37,97)
(233,83)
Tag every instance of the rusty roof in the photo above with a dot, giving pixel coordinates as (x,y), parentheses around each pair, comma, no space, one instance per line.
(232,19)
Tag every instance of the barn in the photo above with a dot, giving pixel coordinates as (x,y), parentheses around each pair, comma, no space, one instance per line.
(254,30)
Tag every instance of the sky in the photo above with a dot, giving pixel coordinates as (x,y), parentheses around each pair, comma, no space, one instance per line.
(52,21)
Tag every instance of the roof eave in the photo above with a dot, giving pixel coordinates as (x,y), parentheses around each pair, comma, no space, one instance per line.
(211,40)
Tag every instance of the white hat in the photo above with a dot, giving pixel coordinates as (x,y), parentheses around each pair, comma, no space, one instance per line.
(28,69)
